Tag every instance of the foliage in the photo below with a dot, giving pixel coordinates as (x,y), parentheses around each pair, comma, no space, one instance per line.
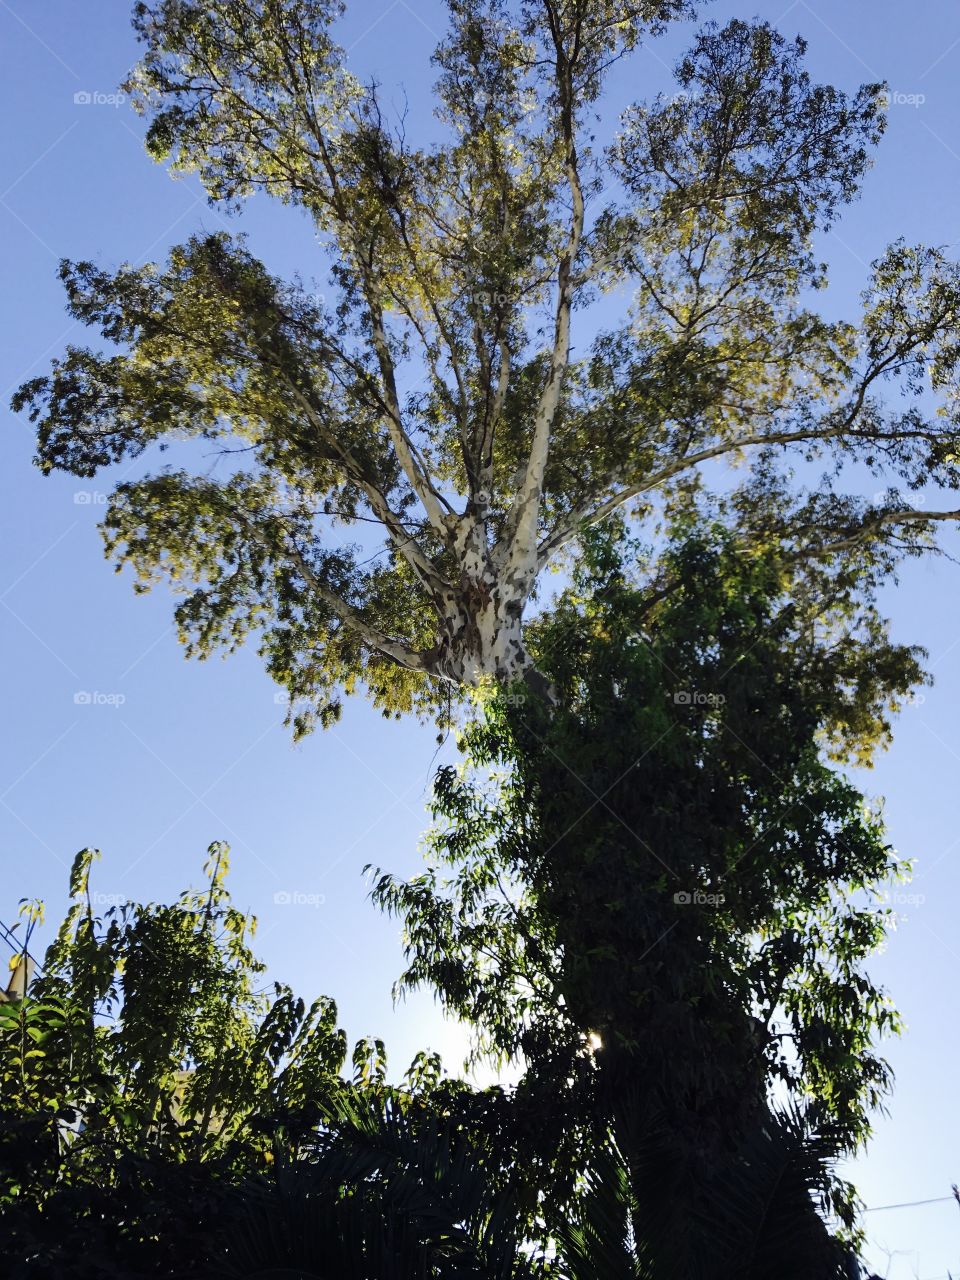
(651,886)
(756,1220)
(659,887)
(390,1190)
(755,1217)
(145,1070)
(164,1116)
(468,266)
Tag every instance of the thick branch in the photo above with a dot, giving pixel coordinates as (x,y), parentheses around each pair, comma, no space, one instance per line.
(402,540)
(434,505)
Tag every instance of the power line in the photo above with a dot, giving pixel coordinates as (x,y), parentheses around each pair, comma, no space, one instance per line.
(909,1204)
(7,935)
(15,945)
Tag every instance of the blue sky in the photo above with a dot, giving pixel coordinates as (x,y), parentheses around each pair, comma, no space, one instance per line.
(167,755)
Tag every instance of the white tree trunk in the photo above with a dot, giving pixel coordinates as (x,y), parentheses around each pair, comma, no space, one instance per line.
(482,631)
(483,634)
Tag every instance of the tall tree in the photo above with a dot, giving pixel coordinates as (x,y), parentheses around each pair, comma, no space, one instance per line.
(658,895)
(467,264)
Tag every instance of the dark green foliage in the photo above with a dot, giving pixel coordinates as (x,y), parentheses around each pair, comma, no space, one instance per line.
(389,1190)
(164,1117)
(753,1218)
(148,1073)
(670,893)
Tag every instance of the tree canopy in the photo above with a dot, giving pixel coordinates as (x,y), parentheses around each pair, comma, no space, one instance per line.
(472,266)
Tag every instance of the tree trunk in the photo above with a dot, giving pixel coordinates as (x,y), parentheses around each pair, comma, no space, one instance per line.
(483,635)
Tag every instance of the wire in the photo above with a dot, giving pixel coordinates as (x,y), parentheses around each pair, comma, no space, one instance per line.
(8,937)
(909,1204)
(15,945)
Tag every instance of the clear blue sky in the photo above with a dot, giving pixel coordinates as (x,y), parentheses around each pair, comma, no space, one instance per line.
(197,752)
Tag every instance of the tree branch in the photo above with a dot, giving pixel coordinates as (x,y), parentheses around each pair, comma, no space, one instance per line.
(520,532)
(372,636)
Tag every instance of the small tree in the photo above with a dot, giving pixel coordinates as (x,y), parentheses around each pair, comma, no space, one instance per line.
(462,268)
(146,1068)
(151,1027)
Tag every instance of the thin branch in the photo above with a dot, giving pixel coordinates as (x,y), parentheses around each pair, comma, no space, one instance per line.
(372,636)
(874,523)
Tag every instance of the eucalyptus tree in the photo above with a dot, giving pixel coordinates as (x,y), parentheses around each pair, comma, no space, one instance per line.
(469,266)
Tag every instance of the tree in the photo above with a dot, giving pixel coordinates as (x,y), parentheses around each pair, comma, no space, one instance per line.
(658,894)
(465,263)
(756,1218)
(147,1073)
